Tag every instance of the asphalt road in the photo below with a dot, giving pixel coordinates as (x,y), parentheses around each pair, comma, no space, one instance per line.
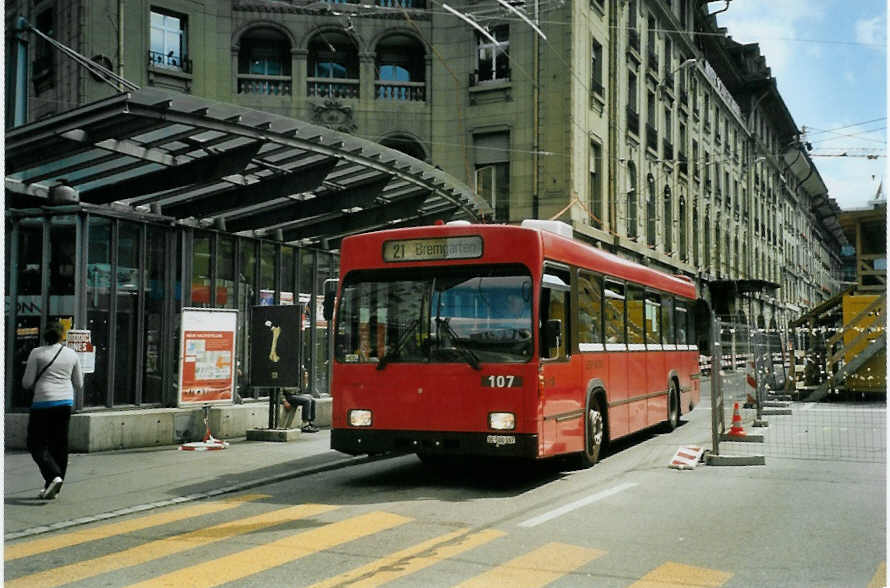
(629,521)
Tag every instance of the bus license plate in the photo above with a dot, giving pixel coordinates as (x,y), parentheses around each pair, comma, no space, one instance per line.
(500,440)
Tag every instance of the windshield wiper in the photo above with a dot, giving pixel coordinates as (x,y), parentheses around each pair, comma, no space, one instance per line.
(455,339)
(397,348)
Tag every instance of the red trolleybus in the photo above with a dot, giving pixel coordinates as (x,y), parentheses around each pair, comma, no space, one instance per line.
(498,340)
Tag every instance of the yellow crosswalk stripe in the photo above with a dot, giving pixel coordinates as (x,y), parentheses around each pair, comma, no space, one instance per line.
(263,557)
(880,578)
(163,547)
(412,559)
(36,546)
(675,575)
(536,568)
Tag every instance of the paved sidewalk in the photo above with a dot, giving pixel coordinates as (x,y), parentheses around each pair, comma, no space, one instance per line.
(113,483)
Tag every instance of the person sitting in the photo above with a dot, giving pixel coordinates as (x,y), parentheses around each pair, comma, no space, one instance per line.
(291,401)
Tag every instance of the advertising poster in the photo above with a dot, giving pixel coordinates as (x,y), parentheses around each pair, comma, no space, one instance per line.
(80,341)
(207,356)
(275,346)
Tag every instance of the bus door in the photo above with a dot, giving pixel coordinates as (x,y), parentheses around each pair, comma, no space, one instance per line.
(562,427)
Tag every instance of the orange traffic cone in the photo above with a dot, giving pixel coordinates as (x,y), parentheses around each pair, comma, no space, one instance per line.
(736,430)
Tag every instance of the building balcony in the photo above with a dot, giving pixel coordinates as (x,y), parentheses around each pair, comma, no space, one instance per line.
(400,91)
(264,85)
(325,88)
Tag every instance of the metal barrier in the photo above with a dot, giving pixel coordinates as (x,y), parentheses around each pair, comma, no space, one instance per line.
(754,416)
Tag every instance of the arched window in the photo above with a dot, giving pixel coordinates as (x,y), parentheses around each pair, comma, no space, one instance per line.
(264,65)
(707,232)
(400,69)
(695,254)
(668,221)
(631,201)
(333,56)
(406,145)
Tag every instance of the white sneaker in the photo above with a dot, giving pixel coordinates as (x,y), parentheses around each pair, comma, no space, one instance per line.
(53,488)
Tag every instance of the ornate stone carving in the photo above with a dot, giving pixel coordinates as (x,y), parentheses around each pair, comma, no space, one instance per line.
(334,115)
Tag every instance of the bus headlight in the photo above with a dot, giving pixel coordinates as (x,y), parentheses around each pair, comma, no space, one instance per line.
(359,418)
(501,421)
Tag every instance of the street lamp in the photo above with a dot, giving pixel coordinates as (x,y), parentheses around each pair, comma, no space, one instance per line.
(670,75)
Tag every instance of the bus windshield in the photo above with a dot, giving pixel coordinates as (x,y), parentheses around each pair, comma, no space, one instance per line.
(470,314)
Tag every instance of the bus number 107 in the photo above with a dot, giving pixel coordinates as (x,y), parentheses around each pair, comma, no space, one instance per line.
(501,381)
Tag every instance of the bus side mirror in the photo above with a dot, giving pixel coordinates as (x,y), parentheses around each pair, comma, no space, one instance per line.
(552,330)
(330,292)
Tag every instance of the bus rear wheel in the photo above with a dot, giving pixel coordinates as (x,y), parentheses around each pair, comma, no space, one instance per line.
(594,432)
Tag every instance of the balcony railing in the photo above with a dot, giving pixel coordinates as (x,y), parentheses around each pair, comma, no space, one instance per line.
(264,85)
(325,88)
(502,76)
(401,91)
(175,62)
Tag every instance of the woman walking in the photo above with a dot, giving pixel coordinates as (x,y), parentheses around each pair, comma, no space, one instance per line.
(53,372)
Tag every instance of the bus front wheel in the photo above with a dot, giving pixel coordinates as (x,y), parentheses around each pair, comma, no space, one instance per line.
(594,432)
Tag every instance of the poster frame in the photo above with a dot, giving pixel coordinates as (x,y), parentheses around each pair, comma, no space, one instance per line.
(205,320)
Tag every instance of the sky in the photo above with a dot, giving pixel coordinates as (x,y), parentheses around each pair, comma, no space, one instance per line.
(829,58)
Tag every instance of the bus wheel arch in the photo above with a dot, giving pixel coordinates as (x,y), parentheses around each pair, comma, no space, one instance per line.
(596,427)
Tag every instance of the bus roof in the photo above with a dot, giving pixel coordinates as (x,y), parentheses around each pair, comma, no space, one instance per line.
(510,243)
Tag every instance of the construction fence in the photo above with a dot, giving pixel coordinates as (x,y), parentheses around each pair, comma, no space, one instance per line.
(760,410)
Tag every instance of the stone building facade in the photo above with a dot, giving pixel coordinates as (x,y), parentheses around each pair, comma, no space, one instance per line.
(640,122)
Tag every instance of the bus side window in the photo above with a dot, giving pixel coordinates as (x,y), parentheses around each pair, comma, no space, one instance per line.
(590,308)
(635,315)
(614,313)
(668,335)
(555,306)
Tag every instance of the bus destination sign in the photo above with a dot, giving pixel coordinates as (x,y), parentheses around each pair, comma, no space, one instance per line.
(469,247)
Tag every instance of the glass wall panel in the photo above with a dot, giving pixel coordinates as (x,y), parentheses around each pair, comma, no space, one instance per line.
(27,324)
(307,276)
(201,270)
(287,275)
(225,273)
(155,292)
(267,272)
(98,308)
(246,299)
(129,285)
(62,242)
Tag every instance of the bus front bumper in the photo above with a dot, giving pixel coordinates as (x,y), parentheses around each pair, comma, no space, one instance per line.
(375,441)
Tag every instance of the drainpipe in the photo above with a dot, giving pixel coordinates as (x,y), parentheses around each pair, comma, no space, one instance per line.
(120,41)
(612,149)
